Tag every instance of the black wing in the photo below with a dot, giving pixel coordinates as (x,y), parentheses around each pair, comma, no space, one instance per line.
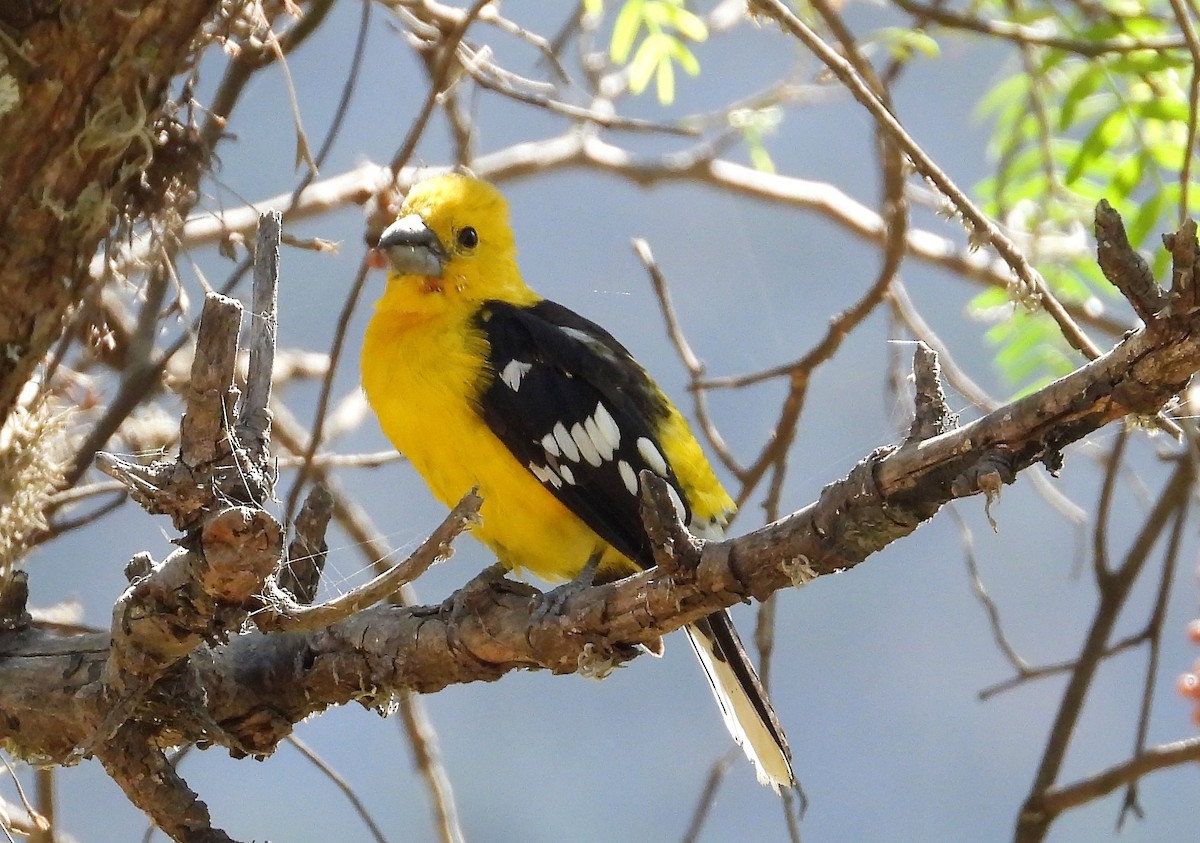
(579,413)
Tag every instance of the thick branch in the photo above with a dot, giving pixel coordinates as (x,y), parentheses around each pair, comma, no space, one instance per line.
(151,783)
(258,685)
(178,683)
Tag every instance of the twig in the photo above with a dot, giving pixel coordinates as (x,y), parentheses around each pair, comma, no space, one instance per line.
(439,77)
(422,738)
(1184,18)
(1034,37)
(931,416)
(482,73)
(47,812)
(572,151)
(989,606)
(690,361)
(980,226)
(335,356)
(436,548)
(320,462)
(153,785)
(1034,820)
(1112,469)
(1124,268)
(301,573)
(343,106)
(1154,630)
(708,795)
(341,784)
(1042,671)
(1060,799)
(254,421)
(920,329)
(37,823)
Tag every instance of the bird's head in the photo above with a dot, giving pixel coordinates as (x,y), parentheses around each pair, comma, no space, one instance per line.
(451,246)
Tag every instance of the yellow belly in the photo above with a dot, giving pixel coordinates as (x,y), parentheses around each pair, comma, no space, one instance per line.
(420,377)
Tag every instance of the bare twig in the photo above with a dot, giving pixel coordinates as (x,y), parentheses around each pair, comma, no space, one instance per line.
(341,784)
(1034,820)
(1060,799)
(993,612)
(980,226)
(1154,630)
(152,784)
(282,616)
(708,795)
(254,422)
(1183,16)
(1036,37)
(683,349)
(301,574)
(1123,267)
(423,740)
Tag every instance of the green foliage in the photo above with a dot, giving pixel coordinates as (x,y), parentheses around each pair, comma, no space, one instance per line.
(1074,129)
(904,43)
(660,30)
(755,124)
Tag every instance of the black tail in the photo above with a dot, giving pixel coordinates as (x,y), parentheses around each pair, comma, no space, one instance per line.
(744,705)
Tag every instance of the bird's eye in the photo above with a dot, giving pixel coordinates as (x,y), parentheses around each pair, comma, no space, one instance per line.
(468,238)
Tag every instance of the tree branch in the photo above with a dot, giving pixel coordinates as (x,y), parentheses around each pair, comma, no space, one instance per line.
(176,668)
(73,150)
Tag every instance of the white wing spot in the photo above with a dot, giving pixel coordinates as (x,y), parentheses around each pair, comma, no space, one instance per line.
(565,442)
(567,474)
(607,427)
(628,477)
(654,460)
(545,474)
(586,447)
(604,449)
(550,445)
(514,372)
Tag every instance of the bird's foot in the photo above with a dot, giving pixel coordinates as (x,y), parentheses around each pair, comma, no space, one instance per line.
(553,601)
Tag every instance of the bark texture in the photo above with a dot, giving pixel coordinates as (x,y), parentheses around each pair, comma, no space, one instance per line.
(77,104)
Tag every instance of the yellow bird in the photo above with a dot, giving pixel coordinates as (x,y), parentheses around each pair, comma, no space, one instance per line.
(480,381)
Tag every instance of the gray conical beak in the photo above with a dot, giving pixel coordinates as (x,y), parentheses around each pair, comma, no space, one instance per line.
(412,248)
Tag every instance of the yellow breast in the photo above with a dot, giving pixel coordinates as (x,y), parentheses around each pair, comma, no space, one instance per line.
(421,376)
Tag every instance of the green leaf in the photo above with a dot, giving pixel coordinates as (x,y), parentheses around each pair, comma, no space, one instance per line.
(687,23)
(1163,108)
(1129,174)
(1147,218)
(1085,85)
(760,158)
(650,54)
(625,30)
(990,298)
(1014,89)
(1147,62)
(687,61)
(903,42)
(1104,136)
(665,79)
